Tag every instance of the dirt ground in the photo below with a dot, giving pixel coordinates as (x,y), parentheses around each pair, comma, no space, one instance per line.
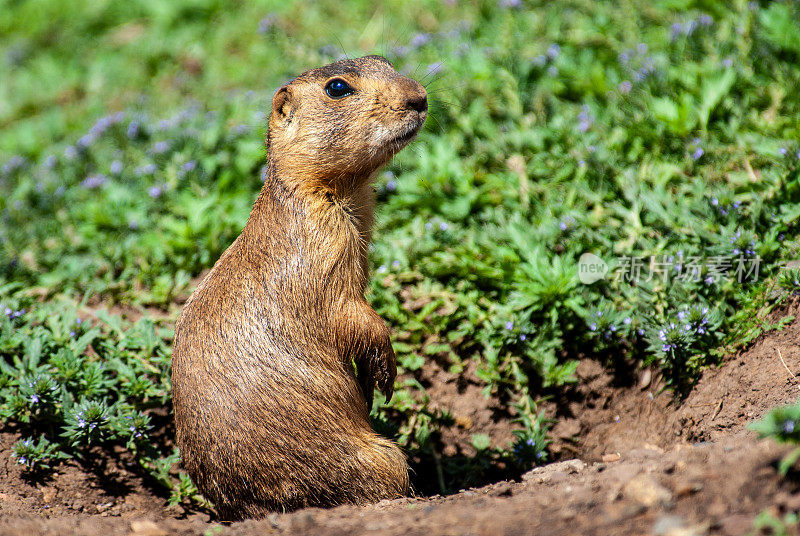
(632,460)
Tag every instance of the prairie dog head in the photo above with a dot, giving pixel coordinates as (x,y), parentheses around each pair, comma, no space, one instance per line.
(344,120)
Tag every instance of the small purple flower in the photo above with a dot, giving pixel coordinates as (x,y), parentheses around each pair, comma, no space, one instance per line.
(433,69)
(148,169)
(391,186)
(71,152)
(553,71)
(705,20)
(698,153)
(133,225)
(267,23)
(788,426)
(675,30)
(553,51)
(395,264)
(34,399)
(155,191)
(627,321)
(420,39)
(93,182)
(160,147)
(133,129)
(402,51)
(443,226)
(727,62)
(512,4)
(562,225)
(50,161)
(783,151)
(540,60)
(509,325)
(585,119)
(116,167)
(641,49)
(86,141)
(382,269)
(189,166)
(522,337)
(593,326)
(624,57)
(625,87)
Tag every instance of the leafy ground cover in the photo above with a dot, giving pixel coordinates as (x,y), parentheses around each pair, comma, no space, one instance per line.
(659,136)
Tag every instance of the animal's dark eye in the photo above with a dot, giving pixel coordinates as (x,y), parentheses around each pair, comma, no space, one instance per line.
(338,88)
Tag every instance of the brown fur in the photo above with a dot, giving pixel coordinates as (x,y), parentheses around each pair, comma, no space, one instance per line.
(270,412)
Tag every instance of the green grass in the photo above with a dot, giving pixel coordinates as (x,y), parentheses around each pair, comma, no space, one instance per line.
(132,143)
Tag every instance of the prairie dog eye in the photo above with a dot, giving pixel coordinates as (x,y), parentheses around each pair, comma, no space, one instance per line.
(338,88)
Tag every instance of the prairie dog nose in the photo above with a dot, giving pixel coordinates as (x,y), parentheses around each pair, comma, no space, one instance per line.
(419,103)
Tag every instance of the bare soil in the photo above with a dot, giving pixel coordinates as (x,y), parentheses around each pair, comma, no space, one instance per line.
(631,459)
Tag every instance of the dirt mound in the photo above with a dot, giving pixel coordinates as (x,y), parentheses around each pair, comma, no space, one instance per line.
(649,464)
(600,415)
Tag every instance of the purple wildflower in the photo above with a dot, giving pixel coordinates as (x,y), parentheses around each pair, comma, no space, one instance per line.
(585,119)
(160,147)
(433,69)
(420,39)
(133,130)
(267,23)
(93,182)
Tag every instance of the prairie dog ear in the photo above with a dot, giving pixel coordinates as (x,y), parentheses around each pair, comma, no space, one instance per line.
(283,105)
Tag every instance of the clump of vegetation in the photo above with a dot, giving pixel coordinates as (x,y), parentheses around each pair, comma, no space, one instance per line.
(661,140)
(783,425)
